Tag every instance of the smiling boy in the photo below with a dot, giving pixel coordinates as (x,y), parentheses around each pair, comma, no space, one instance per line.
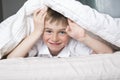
(56,36)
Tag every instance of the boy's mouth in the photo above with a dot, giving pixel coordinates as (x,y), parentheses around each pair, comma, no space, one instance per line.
(55,44)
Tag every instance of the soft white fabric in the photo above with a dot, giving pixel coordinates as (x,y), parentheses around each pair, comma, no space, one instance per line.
(15,28)
(74,48)
(91,67)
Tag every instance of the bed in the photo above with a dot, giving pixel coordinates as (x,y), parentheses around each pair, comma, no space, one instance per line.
(91,67)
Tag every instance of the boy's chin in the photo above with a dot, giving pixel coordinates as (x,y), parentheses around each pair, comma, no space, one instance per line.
(53,50)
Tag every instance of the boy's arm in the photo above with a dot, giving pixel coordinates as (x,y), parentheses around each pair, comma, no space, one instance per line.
(78,33)
(96,45)
(24,47)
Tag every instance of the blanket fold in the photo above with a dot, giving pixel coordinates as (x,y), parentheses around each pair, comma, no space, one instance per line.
(14,29)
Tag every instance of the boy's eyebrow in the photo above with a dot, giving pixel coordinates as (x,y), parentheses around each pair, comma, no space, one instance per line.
(63,29)
(47,28)
(60,29)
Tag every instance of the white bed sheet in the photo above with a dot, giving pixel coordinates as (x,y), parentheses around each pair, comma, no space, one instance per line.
(92,67)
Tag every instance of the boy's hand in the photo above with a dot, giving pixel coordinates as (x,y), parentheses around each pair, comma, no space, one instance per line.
(75,31)
(39,18)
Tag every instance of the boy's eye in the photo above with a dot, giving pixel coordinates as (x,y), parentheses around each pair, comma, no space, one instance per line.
(48,31)
(62,32)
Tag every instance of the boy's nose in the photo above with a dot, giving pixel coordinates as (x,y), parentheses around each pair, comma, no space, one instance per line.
(55,37)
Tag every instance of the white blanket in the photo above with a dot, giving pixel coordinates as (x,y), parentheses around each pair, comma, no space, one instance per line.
(14,29)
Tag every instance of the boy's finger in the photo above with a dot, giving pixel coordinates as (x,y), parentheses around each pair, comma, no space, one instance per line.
(71,23)
(69,20)
(68,29)
(42,12)
(37,11)
(40,9)
(45,15)
(44,9)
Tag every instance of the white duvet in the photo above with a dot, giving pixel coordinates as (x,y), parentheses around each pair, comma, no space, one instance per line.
(16,27)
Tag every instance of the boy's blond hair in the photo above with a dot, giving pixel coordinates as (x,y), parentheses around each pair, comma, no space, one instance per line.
(54,16)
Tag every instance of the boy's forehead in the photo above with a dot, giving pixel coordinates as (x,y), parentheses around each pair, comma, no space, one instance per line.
(55,25)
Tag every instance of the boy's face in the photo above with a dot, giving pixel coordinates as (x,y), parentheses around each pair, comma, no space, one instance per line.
(55,37)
